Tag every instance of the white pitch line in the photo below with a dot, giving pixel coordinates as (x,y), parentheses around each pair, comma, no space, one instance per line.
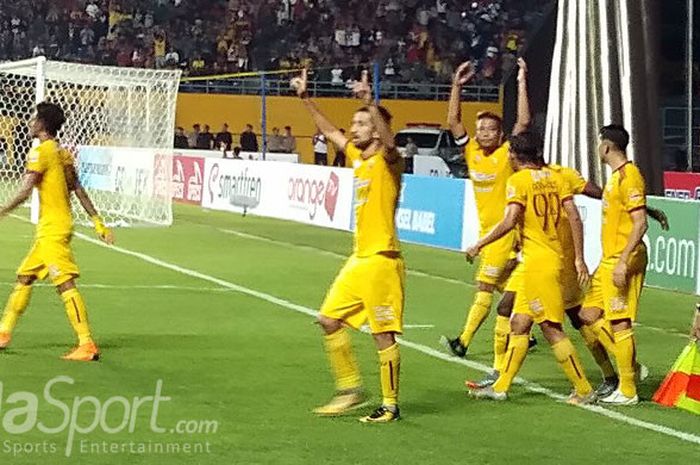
(533,387)
(421,274)
(327,253)
(166,287)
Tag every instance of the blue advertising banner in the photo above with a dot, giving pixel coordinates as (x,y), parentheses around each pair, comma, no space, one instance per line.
(431,211)
(95,167)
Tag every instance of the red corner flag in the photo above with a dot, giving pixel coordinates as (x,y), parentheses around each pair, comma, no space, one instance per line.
(681,388)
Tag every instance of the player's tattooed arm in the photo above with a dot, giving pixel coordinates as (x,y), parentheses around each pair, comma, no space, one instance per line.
(31,179)
(595,192)
(464,73)
(524,116)
(328,129)
(513,216)
(74,185)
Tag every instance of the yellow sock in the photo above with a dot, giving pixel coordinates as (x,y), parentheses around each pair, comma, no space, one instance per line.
(16,304)
(568,360)
(477,314)
(625,358)
(77,315)
(598,351)
(513,361)
(501,332)
(343,363)
(390,363)
(603,331)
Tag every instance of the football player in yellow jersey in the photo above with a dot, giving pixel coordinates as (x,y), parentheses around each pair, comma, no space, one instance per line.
(489,169)
(573,294)
(538,200)
(50,169)
(370,287)
(610,305)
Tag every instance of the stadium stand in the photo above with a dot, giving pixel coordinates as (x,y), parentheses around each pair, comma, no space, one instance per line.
(415,40)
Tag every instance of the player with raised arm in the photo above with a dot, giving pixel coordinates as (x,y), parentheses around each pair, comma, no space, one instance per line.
(370,285)
(489,169)
(537,199)
(50,169)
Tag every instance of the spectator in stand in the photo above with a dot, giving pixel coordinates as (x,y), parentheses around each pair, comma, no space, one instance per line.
(205,139)
(289,142)
(320,149)
(194,135)
(159,49)
(237,153)
(224,137)
(180,139)
(172,58)
(249,141)
(339,159)
(275,144)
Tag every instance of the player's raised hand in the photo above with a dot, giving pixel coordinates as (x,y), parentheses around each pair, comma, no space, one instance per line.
(522,72)
(471,253)
(620,274)
(362,88)
(465,72)
(582,273)
(300,83)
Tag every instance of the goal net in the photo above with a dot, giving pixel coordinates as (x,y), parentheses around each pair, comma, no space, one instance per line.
(119,126)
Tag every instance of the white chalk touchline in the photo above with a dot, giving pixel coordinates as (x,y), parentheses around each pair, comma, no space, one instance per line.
(166,287)
(421,274)
(335,255)
(533,387)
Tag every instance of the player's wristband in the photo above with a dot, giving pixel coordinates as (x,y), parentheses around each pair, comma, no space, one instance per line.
(100,227)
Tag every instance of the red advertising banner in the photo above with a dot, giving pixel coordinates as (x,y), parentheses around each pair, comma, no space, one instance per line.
(188,179)
(680,185)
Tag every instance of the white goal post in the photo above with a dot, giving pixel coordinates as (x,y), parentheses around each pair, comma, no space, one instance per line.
(120,126)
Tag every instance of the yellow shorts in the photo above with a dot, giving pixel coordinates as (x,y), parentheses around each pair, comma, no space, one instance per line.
(570,289)
(515,279)
(494,259)
(539,294)
(368,288)
(50,257)
(616,303)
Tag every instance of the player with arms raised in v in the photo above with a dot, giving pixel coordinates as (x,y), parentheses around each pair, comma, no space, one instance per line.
(371,284)
(50,169)
(489,169)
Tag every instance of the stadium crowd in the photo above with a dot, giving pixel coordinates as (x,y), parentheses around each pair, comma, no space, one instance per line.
(415,40)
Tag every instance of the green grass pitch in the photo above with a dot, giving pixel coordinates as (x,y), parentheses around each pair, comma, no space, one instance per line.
(212,310)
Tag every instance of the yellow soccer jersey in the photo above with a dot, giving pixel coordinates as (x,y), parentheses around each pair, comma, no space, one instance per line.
(541,192)
(576,184)
(48,159)
(624,193)
(573,178)
(377,189)
(489,175)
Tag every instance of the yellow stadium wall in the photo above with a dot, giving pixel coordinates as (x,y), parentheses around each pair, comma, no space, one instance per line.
(238,110)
